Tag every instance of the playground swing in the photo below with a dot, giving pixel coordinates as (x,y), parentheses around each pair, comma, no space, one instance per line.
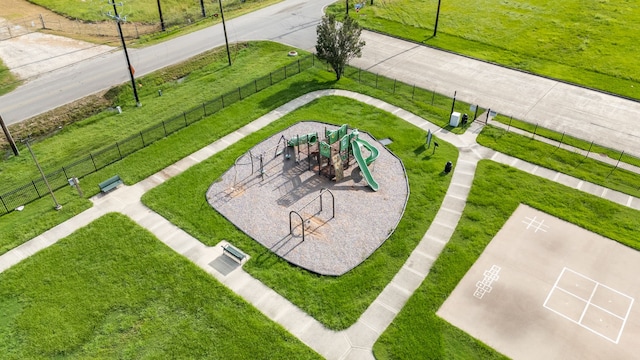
(292,212)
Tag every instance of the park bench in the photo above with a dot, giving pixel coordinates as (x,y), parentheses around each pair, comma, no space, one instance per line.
(110,184)
(235,253)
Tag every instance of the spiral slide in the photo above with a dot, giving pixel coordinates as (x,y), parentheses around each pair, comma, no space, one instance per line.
(363,163)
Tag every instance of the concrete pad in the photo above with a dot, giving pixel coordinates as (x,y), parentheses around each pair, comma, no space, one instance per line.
(465,167)
(635,203)
(447,218)
(441,231)
(361,336)
(394,297)
(360,354)
(204,153)
(295,320)
(547,289)
(327,343)
(419,262)
(545,173)
(567,180)
(249,288)
(462,178)
(592,189)
(616,197)
(9,259)
(185,163)
(377,317)
(458,190)
(453,203)
(431,247)
(59,232)
(273,305)
(181,242)
(233,138)
(502,158)
(196,252)
(406,279)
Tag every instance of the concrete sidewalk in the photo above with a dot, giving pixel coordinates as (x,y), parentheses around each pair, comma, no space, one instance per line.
(357,341)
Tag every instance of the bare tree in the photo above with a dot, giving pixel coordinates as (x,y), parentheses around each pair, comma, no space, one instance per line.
(338,42)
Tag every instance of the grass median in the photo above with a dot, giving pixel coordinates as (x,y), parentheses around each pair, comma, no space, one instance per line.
(112,290)
(417,332)
(586,43)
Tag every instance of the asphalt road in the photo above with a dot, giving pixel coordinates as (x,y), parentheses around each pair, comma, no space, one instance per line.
(591,115)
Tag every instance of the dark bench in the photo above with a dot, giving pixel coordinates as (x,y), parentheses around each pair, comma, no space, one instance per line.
(235,253)
(110,184)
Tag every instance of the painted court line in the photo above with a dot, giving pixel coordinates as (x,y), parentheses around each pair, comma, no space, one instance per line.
(588,304)
(537,225)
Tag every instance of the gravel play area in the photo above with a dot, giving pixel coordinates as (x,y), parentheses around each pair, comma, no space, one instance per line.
(336,239)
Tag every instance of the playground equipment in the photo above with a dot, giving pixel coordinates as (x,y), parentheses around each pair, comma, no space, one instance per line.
(261,158)
(333,211)
(334,153)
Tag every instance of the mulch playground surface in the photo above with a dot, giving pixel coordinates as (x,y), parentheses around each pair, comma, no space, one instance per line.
(261,206)
(547,289)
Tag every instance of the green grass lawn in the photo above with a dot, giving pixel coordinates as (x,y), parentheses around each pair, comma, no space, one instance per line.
(8,82)
(335,301)
(417,332)
(558,159)
(112,290)
(185,85)
(146,11)
(589,43)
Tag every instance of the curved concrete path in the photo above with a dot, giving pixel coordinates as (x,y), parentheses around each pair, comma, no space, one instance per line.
(357,341)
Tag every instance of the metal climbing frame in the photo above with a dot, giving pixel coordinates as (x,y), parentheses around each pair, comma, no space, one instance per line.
(333,210)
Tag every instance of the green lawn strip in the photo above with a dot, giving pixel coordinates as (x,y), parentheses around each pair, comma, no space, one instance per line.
(497,190)
(8,81)
(564,161)
(588,44)
(184,86)
(568,140)
(112,290)
(174,12)
(39,216)
(335,301)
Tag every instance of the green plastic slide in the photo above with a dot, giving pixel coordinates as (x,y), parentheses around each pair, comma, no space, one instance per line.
(363,163)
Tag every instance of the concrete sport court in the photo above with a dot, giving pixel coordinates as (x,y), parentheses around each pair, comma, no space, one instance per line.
(545,288)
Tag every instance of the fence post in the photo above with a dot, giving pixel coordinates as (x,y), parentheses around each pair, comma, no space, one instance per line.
(164,128)
(589,151)
(562,138)
(534,131)
(118,147)
(298,66)
(618,163)
(413,92)
(359,71)
(94,162)
(394,86)
(509,126)
(239,93)
(222,99)
(285,71)
(42,22)
(5,205)
(433,96)
(270,79)
(36,188)
(255,84)
(142,138)
(65,173)
(204,109)
(184,115)
(376,81)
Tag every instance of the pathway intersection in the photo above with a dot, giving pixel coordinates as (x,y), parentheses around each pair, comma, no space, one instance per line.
(357,341)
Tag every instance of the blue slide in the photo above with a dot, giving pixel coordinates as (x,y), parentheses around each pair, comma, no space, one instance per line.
(363,163)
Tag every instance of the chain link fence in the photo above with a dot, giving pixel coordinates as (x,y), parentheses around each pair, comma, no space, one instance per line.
(58,179)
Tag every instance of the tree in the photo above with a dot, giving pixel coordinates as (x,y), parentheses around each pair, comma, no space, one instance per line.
(338,43)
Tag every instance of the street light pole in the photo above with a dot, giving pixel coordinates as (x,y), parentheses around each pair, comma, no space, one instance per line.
(58,206)
(435,28)
(126,53)
(161,19)
(224,28)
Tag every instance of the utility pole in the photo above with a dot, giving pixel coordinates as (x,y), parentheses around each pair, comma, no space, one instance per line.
(224,28)
(16,152)
(204,14)
(118,20)
(44,178)
(161,18)
(435,28)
